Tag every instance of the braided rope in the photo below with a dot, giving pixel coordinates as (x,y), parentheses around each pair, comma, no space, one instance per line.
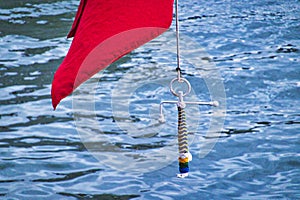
(183,142)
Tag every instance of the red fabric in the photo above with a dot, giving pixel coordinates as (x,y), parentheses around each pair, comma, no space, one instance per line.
(104,31)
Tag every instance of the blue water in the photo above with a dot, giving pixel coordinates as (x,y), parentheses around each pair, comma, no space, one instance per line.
(89,148)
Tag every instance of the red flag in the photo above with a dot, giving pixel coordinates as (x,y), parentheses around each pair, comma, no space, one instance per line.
(104,31)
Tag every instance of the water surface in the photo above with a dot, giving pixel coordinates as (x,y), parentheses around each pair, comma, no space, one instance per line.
(255,46)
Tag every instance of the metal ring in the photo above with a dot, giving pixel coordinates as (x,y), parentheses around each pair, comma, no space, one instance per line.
(180,81)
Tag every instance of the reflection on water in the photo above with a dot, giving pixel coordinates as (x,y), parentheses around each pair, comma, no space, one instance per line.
(255,45)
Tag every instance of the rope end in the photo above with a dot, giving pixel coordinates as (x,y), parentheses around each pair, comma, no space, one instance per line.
(184,160)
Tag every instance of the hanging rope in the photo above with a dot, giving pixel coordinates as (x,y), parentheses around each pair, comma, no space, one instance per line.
(184,155)
(183,146)
(178,69)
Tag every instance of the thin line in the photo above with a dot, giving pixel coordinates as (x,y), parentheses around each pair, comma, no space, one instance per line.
(177,36)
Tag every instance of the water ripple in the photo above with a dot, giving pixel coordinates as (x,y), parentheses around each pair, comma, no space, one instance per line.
(23,50)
